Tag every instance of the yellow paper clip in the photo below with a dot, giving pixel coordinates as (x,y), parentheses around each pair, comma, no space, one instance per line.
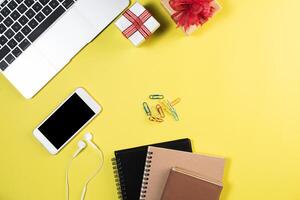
(176,101)
(156,96)
(147,109)
(165,107)
(172,110)
(155,119)
(160,111)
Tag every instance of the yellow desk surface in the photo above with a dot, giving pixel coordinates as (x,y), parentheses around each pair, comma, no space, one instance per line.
(238,78)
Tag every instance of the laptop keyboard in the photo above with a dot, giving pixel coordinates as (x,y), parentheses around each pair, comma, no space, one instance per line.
(23,21)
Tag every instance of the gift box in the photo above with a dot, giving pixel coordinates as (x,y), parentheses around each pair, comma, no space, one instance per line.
(190,14)
(137,24)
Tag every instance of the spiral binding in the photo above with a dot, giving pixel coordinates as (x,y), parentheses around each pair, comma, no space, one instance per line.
(118,175)
(146,176)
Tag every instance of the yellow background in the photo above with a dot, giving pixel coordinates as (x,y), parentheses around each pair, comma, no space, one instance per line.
(238,78)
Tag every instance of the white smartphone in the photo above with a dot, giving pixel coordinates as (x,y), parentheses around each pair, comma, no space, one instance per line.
(67,120)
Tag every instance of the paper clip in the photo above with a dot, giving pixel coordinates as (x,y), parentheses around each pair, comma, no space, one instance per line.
(160,111)
(172,110)
(156,96)
(165,107)
(176,101)
(155,119)
(147,109)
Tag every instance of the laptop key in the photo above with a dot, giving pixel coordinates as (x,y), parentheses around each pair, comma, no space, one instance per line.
(4,3)
(19,37)
(5,11)
(3,65)
(8,21)
(22,8)
(44,2)
(68,3)
(3,40)
(12,5)
(17,51)
(46,23)
(25,30)
(29,2)
(33,23)
(37,7)
(9,58)
(4,51)
(16,26)
(9,33)
(24,44)
(53,4)
(30,13)
(15,15)
(12,43)
(23,20)
(40,17)
(47,10)
(2,28)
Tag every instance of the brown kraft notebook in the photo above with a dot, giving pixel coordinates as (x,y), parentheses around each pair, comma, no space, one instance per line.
(183,184)
(160,161)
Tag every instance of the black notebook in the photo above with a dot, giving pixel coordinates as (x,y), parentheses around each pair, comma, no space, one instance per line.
(129,166)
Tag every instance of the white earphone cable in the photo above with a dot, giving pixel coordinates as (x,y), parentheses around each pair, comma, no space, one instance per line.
(67,177)
(95,173)
(90,178)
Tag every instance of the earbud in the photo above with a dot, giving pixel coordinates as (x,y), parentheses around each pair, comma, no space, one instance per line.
(81,145)
(88,138)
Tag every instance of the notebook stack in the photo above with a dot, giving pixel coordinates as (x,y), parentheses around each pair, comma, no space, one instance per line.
(167,171)
(129,167)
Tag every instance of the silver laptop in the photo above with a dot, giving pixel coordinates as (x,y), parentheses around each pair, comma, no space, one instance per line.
(39,37)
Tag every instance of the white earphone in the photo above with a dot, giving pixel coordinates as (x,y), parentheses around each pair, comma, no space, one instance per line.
(82,145)
(88,137)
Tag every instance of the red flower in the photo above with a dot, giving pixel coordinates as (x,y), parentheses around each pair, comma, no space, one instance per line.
(191,12)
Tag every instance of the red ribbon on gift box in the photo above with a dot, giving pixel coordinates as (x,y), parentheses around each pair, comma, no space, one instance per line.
(191,12)
(137,24)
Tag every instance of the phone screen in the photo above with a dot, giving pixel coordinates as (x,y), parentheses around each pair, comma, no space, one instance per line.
(66,121)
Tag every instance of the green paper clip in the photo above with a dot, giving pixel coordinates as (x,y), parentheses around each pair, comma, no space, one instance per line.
(147,109)
(172,110)
(156,96)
